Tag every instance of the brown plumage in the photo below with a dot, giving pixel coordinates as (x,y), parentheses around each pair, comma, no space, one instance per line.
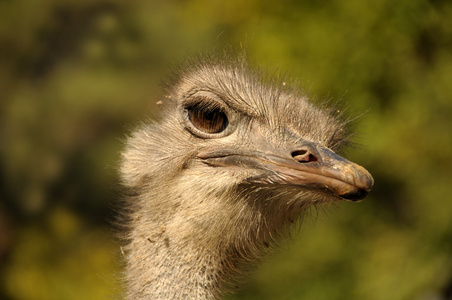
(233,161)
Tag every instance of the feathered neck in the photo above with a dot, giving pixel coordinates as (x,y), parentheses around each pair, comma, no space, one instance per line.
(193,246)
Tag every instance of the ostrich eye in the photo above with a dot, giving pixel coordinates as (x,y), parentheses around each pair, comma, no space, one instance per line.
(207,118)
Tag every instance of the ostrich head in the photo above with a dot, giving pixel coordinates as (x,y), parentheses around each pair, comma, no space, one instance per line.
(234,159)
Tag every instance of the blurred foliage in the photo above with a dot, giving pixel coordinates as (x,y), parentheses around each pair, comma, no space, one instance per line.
(76,76)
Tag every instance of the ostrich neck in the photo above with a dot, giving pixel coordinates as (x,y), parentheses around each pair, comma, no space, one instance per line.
(170,271)
(188,249)
(190,243)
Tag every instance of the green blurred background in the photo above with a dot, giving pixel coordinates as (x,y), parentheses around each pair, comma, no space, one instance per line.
(77,76)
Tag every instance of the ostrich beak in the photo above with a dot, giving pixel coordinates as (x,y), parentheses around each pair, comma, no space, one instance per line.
(309,166)
(320,168)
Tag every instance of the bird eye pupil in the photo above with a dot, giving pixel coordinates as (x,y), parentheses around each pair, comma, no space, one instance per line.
(209,119)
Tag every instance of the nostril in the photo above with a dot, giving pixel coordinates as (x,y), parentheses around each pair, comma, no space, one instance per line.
(304,156)
(298,153)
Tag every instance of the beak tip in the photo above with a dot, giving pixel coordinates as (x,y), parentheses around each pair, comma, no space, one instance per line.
(361,191)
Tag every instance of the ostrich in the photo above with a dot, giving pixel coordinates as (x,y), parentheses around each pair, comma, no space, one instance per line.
(234,160)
